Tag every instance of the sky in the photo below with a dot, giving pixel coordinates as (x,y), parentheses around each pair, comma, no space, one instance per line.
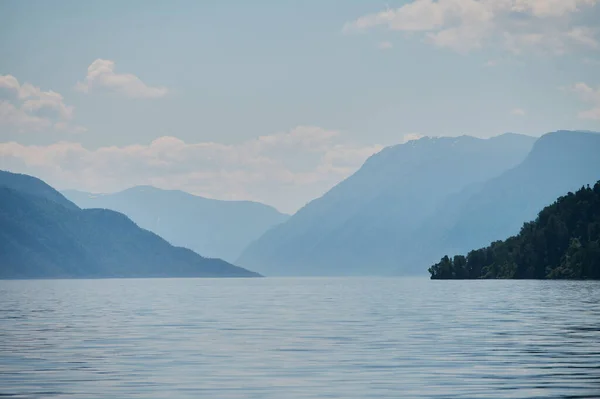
(278,101)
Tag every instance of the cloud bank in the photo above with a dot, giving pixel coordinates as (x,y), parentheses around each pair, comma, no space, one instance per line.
(466,25)
(284,169)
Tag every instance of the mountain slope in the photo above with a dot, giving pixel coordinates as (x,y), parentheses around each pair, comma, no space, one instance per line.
(559,162)
(365,224)
(563,242)
(30,185)
(40,238)
(220,229)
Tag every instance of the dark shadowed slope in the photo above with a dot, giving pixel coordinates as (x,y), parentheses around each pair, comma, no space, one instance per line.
(220,229)
(563,242)
(31,185)
(41,238)
(365,224)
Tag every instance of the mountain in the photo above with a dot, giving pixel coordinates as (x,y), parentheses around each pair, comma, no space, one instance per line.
(30,185)
(559,162)
(366,224)
(562,243)
(43,235)
(219,229)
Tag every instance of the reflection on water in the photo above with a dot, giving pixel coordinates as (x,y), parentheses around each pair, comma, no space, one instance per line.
(299,338)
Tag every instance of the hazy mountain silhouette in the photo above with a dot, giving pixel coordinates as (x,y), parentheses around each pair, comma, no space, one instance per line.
(43,235)
(559,162)
(366,224)
(213,228)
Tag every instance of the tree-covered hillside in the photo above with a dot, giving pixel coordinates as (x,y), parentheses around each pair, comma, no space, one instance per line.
(562,243)
(33,186)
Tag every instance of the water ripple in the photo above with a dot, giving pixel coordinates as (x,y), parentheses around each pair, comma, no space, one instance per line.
(299,338)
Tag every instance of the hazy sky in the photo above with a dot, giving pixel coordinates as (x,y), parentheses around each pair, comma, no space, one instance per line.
(277,101)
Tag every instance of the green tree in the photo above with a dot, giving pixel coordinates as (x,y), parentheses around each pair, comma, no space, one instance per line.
(562,243)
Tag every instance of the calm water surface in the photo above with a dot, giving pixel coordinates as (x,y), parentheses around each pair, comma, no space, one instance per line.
(299,338)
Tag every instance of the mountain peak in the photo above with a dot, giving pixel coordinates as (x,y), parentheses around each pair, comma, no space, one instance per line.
(361,225)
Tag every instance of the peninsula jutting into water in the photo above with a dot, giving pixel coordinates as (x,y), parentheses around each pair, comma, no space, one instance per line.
(562,243)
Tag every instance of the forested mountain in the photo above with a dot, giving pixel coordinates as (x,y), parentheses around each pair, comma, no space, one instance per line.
(562,243)
(367,223)
(43,235)
(559,162)
(213,228)
(30,185)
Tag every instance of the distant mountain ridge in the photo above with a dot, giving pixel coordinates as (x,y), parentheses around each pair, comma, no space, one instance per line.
(400,212)
(43,235)
(559,162)
(214,228)
(366,224)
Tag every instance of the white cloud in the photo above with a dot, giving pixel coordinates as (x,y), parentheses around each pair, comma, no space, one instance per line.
(461,38)
(11,83)
(549,8)
(23,112)
(412,136)
(101,73)
(518,112)
(589,95)
(385,45)
(551,40)
(16,118)
(285,169)
(584,35)
(420,15)
(466,25)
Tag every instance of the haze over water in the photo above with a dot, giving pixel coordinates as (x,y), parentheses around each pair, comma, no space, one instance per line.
(299,338)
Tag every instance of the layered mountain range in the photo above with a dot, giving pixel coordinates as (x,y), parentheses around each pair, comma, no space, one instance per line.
(213,228)
(406,207)
(44,235)
(411,203)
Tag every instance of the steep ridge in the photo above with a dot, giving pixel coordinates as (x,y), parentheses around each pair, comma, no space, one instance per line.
(31,185)
(559,162)
(365,224)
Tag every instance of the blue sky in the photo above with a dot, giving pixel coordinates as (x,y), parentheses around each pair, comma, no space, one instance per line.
(277,101)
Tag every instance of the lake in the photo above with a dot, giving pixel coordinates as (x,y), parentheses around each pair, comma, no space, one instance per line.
(299,338)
